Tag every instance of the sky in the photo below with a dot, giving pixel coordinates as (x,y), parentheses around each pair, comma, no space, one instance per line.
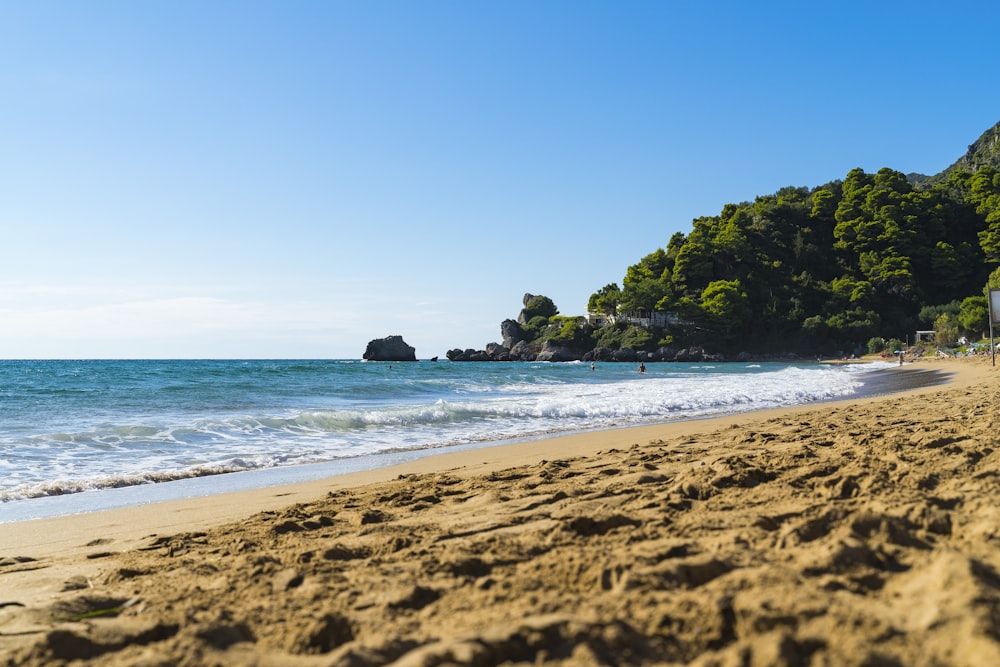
(244,179)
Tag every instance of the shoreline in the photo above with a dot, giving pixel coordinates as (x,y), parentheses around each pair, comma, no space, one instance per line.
(891,380)
(756,508)
(199,511)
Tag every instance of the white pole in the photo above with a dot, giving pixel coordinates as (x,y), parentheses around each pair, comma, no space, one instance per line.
(989,302)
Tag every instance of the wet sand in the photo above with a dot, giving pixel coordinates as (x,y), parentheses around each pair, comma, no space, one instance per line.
(860,532)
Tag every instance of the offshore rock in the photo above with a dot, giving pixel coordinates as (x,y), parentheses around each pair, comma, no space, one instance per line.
(665,353)
(599,354)
(494,352)
(390,348)
(625,354)
(695,354)
(467,355)
(552,352)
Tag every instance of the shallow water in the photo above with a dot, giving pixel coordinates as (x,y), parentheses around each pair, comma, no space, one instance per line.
(75,426)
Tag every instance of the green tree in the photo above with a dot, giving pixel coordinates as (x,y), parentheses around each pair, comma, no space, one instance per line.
(825,268)
(946,328)
(726,302)
(534,329)
(605,300)
(928,314)
(567,331)
(824,204)
(993,280)
(539,306)
(647,282)
(877,345)
(982,190)
(973,316)
(692,269)
(637,338)
(849,292)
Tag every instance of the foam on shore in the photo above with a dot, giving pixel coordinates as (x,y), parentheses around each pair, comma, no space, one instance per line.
(129,490)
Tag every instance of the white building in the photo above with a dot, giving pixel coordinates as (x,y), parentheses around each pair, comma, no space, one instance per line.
(640,318)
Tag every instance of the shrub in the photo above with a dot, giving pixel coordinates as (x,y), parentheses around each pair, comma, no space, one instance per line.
(877,345)
(540,306)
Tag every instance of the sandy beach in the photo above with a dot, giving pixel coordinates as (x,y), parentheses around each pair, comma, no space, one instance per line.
(861,532)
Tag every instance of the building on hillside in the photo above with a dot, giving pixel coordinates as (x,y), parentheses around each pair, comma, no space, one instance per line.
(639,318)
(597,320)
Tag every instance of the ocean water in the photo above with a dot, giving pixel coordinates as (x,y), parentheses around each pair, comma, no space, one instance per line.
(77,427)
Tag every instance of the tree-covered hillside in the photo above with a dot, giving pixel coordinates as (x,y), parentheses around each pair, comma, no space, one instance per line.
(824,270)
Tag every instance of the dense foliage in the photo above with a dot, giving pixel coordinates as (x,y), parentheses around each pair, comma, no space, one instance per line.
(824,270)
(853,266)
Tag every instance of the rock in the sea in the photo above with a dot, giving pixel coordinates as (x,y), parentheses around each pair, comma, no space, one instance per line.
(552,352)
(626,354)
(468,354)
(599,354)
(522,352)
(390,348)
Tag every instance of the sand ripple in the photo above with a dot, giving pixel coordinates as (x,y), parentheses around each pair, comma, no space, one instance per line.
(851,535)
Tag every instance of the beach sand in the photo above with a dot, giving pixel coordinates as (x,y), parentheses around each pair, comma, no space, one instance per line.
(863,532)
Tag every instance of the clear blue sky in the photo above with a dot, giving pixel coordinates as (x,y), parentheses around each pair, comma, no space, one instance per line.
(292,179)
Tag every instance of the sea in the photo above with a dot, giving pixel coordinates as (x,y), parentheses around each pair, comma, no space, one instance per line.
(79,436)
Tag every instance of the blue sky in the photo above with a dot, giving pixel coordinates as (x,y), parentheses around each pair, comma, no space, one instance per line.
(292,179)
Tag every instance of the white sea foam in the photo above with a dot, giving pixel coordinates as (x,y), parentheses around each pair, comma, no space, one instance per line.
(419,407)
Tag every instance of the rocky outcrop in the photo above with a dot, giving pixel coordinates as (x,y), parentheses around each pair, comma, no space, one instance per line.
(497,352)
(985,152)
(511,333)
(390,348)
(599,354)
(523,351)
(692,354)
(468,354)
(515,348)
(552,352)
(522,317)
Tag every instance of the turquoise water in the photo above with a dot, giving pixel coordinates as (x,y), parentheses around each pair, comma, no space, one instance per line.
(75,426)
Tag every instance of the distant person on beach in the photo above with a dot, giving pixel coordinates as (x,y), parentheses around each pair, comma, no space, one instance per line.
(591,365)
(642,367)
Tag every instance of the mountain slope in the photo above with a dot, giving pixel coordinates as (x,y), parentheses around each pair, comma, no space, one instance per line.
(985,151)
